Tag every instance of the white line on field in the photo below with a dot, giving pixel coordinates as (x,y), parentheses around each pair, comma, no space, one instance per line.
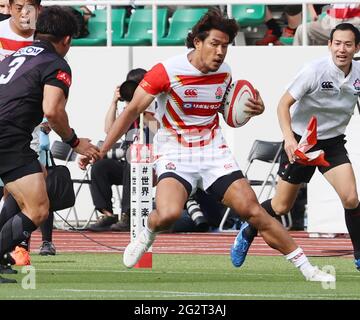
(157,293)
(355,276)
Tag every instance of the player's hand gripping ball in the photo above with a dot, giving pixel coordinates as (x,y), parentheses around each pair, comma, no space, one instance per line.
(234,103)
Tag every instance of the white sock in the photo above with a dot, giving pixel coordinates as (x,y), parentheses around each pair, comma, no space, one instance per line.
(300,260)
(149,234)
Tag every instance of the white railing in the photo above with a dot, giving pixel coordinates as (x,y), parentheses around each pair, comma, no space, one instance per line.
(156,3)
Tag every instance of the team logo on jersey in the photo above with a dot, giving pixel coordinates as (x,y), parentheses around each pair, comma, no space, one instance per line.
(219,93)
(170,166)
(28,51)
(187,105)
(327,85)
(228,166)
(64,77)
(192,93)
(356,84)
(203,106)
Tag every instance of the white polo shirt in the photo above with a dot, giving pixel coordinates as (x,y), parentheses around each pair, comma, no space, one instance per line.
(321,89)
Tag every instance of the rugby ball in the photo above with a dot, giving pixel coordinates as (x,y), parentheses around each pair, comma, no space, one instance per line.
(235,98)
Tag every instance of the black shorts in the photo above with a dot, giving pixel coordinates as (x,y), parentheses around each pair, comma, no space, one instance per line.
(335,153)
(217,189)
(17,173)
(15,150)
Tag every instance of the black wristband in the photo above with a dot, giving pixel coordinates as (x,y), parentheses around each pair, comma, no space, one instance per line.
(76,143)
(73,140)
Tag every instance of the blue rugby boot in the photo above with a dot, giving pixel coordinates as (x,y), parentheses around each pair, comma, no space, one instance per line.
(357,264)
(242,244)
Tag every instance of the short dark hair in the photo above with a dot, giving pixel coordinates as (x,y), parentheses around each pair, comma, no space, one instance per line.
(37,2)
(128,87)
(344,27)
(55,23)
(213,19)
(136,74)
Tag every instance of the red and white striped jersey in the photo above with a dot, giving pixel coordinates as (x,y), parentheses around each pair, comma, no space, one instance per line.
(10,41)
(188,100)
(344,11)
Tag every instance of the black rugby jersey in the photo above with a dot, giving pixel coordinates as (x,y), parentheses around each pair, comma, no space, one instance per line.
(23,76)
(4,16)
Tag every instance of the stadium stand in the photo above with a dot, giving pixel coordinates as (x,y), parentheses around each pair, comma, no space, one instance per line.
(97,28)
(249,15)
(180,24)
(140,27)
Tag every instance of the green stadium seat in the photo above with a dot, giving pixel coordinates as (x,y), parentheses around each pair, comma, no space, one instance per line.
(97,28)
(249,14)
(140,28)
(181,23)
(287,40)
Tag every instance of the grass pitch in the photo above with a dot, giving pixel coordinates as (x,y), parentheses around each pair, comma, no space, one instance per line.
(179,277)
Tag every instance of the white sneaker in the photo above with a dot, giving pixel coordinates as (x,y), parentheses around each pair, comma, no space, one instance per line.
(320,276)
(135,250)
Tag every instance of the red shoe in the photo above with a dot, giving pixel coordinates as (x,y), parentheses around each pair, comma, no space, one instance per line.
(269,38)
(21,256)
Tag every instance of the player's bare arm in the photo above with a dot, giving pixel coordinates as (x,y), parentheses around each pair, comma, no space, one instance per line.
(54,110)
(137,105)
(111,113)
(290,144)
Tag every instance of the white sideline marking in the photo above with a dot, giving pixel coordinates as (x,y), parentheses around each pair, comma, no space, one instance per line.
(156,293)
(182,272)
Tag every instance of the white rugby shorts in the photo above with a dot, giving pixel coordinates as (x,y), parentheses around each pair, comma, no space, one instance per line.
(200,166)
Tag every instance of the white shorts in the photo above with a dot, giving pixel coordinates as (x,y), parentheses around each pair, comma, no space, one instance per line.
(199,166)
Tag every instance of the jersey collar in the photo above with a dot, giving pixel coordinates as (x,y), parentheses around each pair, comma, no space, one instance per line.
(46,44)
(338,72)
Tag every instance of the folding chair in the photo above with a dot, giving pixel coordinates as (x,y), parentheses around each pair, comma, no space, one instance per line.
(267,152)
(64,152)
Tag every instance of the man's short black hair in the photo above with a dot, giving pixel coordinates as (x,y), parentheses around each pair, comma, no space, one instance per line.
(128,87)
(55,23)
(136,74)
(344,27)
(36,2)
(213,19)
